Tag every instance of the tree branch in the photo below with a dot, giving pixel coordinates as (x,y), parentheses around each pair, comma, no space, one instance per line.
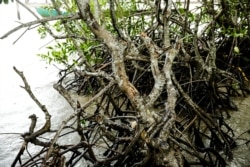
(47,124)
(61,17)
(159,78)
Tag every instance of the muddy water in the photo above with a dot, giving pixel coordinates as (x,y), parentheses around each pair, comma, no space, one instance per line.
(240,122)
(15,103)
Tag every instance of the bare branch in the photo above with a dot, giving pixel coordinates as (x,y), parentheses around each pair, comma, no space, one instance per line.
(66,17)
(47,124)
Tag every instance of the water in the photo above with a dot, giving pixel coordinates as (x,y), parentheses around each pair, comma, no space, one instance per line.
(15,103)
(240,122)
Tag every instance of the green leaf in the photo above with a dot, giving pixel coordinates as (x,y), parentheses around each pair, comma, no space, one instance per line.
(50,47)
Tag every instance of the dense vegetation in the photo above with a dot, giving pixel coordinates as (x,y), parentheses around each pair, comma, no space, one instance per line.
(161,75)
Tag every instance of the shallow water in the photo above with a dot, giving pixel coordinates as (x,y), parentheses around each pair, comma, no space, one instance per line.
(240,122)
(15,103)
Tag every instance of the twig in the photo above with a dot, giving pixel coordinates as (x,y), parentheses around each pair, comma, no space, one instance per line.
(67,17)
(47,124)
(114,22)
(10,133)
(19,154)
(28,90)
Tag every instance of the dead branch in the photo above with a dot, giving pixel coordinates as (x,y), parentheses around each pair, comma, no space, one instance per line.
(44,20)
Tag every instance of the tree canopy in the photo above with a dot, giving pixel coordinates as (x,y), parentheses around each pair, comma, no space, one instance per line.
(161,75)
